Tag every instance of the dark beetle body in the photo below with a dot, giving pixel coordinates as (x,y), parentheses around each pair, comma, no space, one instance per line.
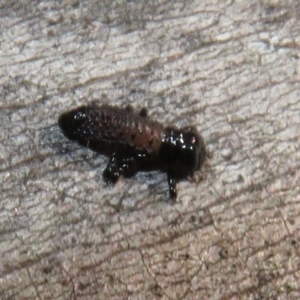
(135,143)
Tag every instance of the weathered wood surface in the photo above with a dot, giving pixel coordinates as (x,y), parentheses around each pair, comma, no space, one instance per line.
(232,69)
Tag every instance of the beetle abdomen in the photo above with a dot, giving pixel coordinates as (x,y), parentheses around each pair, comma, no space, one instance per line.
(112,125)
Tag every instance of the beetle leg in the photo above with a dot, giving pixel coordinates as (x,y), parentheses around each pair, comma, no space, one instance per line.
(120,165)
(172,186)
(112,171)
(128,165)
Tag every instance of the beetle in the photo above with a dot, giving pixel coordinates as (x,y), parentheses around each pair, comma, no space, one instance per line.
(135,143)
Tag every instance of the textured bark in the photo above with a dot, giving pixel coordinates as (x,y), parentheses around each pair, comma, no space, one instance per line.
(231,69)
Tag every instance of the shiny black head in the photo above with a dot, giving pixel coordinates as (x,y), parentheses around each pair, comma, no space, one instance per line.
(183,151)
(73,123)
